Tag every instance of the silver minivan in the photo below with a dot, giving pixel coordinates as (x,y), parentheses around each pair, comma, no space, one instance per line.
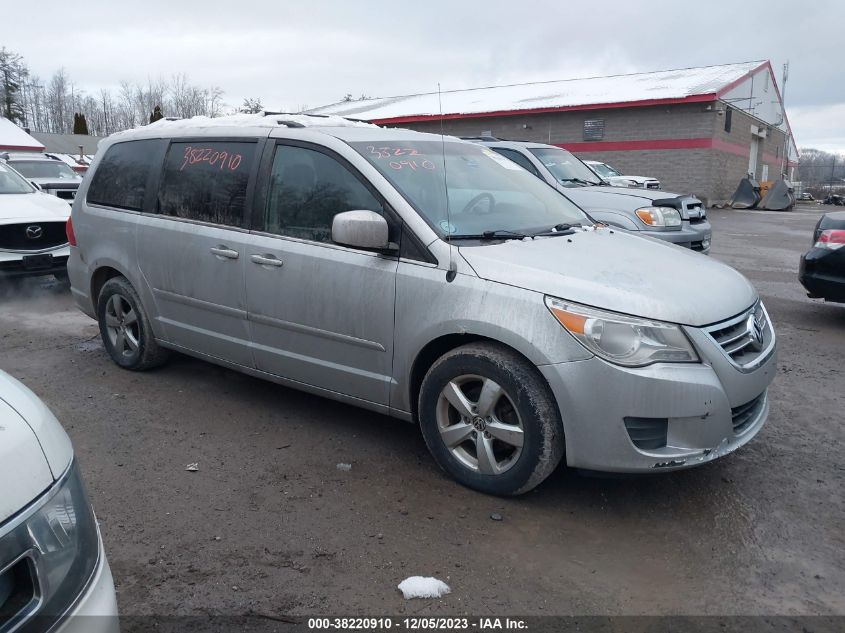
(422,277)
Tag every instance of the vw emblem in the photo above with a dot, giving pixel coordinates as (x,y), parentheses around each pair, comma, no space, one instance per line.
(754,331)
(34,231)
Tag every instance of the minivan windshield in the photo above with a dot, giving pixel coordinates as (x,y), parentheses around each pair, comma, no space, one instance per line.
(45,169)
(568,170)
(473,191)
(11,182)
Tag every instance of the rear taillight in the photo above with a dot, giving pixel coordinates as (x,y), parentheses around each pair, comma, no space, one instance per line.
(71,236)
(831,239)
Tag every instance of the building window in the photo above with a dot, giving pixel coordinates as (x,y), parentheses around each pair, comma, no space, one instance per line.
(593,129)
(728,114)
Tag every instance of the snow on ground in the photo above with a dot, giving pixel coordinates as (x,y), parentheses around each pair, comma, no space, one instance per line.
(422,587)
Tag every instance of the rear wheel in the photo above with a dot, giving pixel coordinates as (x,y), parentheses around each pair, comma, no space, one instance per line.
(489,419)
(125,327)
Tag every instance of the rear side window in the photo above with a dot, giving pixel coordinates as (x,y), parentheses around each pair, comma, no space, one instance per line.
(307,189)
(207,181)
(121,178)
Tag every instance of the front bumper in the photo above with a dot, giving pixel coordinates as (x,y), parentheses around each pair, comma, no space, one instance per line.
(695,236)
(13,263)
(96,610)
(700,403)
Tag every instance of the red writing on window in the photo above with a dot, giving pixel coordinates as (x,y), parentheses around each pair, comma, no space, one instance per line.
(411,164)
(220,159)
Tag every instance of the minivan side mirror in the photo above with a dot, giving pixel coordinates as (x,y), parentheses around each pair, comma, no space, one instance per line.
(361,229)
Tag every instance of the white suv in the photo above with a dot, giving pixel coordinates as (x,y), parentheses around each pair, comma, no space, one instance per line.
(617,179)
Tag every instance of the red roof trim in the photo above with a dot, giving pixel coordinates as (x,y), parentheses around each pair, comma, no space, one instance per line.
(592,106)
(22,148)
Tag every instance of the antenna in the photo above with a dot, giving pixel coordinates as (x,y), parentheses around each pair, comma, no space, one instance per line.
(453,267)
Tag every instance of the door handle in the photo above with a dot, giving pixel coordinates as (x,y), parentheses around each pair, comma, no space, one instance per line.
(267,260)
(224,252)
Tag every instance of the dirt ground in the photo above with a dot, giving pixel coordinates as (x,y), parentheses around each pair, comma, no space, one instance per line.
(269,524)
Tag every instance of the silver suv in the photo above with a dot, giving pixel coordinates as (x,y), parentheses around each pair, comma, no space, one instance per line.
(680,219)
(422,277)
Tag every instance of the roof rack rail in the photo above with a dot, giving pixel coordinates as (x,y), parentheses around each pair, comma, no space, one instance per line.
(287,123)
(480,138)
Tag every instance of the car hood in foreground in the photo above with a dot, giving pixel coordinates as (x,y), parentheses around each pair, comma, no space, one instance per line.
(34,448)
(617,271)
(32,207)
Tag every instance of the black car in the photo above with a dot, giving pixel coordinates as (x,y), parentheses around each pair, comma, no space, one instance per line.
(822,270)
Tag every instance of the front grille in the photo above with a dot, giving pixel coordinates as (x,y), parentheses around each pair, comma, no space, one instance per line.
(66,194)
(744,415)
(652,185)
(745,338)
(32,236)
(18,593)
(647,433)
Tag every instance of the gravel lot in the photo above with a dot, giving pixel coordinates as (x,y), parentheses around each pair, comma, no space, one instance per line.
(270,525)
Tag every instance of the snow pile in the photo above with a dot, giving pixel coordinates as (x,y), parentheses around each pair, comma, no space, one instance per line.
(262,119)
(421,587)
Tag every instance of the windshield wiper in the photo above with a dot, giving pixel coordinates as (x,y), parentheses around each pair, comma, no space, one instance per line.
(580,181)
(490,235)
(558,229)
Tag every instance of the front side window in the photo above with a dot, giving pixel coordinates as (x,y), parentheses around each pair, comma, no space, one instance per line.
(518,158)
(307,189)
(11,182)
(466,189)
(207,181)
(567,170)
(44,169)
(121,177)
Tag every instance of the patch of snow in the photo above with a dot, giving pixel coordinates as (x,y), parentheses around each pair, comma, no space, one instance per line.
(344,466)
(666,84)
(262,119)
(422,587)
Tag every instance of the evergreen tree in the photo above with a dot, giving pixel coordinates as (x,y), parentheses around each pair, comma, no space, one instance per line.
(80,125)
(252,106)
(156,114)
(12,74)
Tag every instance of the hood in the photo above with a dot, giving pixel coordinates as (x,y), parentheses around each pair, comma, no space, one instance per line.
(614,197)
(33,207)
(24,470)
(55,183)
(617,271)
(32,414)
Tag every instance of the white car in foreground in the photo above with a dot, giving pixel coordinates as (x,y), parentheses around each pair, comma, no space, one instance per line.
(617,179)
(53,569)
(33,240)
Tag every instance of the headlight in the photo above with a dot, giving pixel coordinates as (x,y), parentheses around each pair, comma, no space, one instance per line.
(58,540)
(665,217)
(624,340)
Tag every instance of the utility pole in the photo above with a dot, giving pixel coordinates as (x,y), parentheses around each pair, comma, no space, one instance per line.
(830,184)
(784,157)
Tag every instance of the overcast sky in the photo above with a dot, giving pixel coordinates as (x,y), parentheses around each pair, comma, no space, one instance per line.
(294,54)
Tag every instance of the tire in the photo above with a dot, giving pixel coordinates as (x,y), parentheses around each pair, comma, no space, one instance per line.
(119,312)
(508,402)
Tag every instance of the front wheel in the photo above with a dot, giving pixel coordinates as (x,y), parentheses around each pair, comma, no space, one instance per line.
(125,327)
(490,420)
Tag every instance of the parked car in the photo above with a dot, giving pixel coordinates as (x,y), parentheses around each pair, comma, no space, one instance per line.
(53,568)
(666,216)
(617,179)
(50,174)
(32,228)
(805,196)
(422,277)
(822,268)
